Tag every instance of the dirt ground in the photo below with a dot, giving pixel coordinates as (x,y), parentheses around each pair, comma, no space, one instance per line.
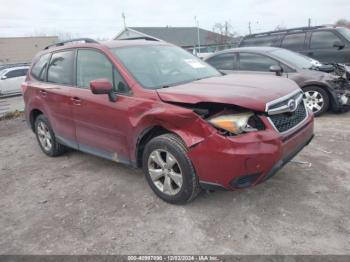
(81,204)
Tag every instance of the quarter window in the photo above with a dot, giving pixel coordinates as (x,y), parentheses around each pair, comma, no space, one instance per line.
(323,39)
(223,61)
(255,62)
(294,41)
(92,65)
(39,68)
(60,69)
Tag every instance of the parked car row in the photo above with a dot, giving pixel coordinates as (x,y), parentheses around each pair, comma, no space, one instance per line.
(155,106)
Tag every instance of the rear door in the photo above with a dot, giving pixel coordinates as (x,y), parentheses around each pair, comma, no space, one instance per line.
(321,47)
(55,79)
(101,125)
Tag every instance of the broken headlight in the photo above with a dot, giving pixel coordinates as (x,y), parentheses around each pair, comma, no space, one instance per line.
(237,123)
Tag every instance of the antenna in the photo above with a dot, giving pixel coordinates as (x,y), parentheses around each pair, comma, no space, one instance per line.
(124,18)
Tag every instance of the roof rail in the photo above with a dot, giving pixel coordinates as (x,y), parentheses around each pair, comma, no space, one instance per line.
(86,40)
(296,29)
(140,38)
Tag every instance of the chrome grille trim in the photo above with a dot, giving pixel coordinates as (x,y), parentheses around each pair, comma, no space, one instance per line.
(284,108)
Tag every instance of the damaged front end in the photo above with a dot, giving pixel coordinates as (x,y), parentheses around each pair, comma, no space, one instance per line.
(339,81)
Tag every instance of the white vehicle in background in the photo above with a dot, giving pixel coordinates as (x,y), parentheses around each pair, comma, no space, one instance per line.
(11,79)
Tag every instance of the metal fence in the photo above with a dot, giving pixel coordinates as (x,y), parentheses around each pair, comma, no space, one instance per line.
(4,107)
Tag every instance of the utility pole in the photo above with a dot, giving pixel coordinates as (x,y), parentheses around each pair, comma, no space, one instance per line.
(198,38)
(123,16)
(250,27)
(309,22)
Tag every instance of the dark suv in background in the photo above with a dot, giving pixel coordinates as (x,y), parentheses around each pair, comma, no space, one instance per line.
(326,44)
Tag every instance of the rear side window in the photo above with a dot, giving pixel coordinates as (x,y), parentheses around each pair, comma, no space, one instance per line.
(223,61)
(323,39)
(294,41)
(92,65)
(39,68)
(16,73)
(60,69)
(255,62)
(261,41)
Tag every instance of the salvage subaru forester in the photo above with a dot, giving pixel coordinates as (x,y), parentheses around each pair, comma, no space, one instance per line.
(153,105)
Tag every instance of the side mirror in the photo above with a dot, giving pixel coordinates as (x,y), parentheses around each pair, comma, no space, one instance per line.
(338,44)
(276,69)
(103,86)
(3,77)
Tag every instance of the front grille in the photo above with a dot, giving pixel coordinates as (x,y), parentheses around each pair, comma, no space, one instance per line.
(285,121)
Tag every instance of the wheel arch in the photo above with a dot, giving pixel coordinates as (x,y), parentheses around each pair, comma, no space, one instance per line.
(34,113)
(148,134)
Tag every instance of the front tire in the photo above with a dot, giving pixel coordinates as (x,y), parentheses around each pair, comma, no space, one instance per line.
(169,171)
(46,137)
(316,99)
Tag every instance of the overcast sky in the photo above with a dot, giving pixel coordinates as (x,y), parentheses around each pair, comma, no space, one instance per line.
(102,18)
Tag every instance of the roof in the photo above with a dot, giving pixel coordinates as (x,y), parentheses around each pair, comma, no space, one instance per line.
(182,36)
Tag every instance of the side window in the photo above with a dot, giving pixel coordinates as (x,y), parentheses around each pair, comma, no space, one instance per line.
(39,68)
(93,65)
(16,73)
(323,39)
(60,69)
(255,62)
(261,41)
(223,61)
(294,41)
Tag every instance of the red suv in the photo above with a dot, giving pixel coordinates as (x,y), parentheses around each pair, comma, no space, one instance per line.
(150,104)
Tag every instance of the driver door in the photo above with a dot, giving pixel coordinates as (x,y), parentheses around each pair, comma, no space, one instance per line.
(101,125)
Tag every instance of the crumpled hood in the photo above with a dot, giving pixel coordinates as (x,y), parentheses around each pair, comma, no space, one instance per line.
(247,91)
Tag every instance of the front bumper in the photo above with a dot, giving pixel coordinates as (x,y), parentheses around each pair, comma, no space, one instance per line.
(246,160)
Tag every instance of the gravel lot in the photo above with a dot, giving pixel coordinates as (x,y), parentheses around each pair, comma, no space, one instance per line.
(81,204)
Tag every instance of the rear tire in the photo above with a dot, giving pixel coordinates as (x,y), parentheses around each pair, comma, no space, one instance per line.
(169,171)
(316,99)
(46,137)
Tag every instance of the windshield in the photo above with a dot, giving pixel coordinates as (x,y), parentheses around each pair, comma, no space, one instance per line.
(160,66)
(345,32)
(293,58)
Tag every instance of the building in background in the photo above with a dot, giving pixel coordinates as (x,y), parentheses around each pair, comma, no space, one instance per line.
(185,37)
(22,49)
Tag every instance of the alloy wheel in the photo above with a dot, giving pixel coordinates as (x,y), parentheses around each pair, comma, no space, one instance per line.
(44,136)
(314,100)
(165,172)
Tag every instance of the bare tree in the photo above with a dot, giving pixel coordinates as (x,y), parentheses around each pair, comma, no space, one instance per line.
(343,22)
(224,33)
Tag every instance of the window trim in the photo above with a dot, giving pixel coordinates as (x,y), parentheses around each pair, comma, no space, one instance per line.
(17,69)
(234,64)
(254,53)
(47,69)
(321,31)
(45,73)
(296,33)
(130,93)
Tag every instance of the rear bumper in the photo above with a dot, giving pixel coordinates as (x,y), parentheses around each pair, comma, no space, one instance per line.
(246,160)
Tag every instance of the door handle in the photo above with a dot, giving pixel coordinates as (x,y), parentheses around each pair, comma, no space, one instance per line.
(43,93)
(76,100)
